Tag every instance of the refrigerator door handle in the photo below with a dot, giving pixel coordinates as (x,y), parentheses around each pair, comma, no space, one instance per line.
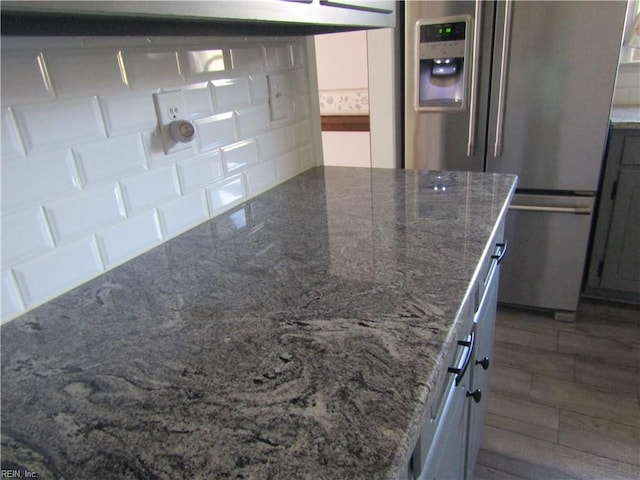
(538,208)
(473,101)
(579,205)
(506,43)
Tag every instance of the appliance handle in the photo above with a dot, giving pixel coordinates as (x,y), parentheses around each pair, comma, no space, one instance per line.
(502,91)
(533,208)
(473,101)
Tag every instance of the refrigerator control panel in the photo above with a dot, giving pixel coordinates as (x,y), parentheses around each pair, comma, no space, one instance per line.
(442,63)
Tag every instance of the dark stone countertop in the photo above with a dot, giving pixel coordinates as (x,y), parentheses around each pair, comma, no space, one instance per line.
(295,337)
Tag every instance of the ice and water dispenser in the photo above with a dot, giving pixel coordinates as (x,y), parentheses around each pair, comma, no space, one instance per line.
(443,63)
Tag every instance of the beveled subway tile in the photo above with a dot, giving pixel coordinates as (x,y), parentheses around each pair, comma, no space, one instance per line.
(213,132)
(260,177)
(230,94)
(129,112)
(183,213)
(32,180)
(199,171)
(147,68)
(24,78)
(51,125)
(57,271)
(150,189)
(198,100)
(110,159)
(277,56)
(86,72)
(10,299)
(129,238)
(24,234)
(224,194)
(204,63)
(253,120)
(245,59)
(287,165)
(85,213)
(240,155)
(11,142)
(259,89)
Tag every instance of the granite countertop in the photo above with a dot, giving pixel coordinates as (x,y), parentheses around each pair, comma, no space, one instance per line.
(297,336)
(625,117)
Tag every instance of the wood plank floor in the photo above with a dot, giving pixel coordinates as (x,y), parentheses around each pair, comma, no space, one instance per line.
(565,397)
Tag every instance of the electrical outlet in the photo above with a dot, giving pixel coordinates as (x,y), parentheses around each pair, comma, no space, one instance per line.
(170,108)
(278,96)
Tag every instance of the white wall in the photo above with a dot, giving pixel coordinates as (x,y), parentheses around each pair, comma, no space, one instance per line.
(85,182)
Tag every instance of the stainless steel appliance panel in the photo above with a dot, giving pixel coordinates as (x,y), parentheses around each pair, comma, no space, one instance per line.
(547,238)
(559,85)
(439,141)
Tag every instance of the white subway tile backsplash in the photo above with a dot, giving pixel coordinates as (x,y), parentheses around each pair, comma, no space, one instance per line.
(11,141)
(198,100)
(125,240)
(152,188)
(82,214)
(146,68)
(260,178)
(247,59)
(86,184)
(253,120)
(276,142)
(298,55)
(231,93)
(91,72)
(110,159)
(240,155)
(199,171)
(24,78)
(10,300)
(58,124)
(28,181)
(179,215)
(24,234)
(301,132)
(225,194)
(307,159)
(287,165)
(58,270)
(259,89)
(204,63)
(130,112)
(213,132)
(278,56)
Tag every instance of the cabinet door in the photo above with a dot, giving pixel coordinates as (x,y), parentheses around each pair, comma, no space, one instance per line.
(485,320)
(446,458)
(621,268)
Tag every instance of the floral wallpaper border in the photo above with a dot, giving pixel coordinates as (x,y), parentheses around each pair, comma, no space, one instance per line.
(344,102)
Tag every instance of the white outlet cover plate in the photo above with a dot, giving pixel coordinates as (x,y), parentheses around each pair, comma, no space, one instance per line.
(170,106)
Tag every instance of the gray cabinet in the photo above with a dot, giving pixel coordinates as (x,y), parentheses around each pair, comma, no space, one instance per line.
(450,437)
(213,17)
(614,268)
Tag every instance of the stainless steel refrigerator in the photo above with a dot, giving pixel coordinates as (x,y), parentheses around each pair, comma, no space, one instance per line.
(519,87)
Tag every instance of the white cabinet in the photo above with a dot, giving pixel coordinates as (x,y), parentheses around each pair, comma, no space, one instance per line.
(450,438)
(213,17)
